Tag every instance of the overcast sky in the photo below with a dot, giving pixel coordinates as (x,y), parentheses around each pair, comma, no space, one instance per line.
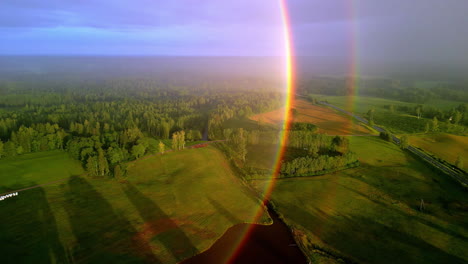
(434,30)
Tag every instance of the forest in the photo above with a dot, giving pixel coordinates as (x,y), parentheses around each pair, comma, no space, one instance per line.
(104,123)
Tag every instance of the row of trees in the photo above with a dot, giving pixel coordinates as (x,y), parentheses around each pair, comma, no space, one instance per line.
(309,166)
(406,91)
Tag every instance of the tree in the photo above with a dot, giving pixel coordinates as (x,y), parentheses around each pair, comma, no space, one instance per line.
(161,147)
(435,124)
(92,166)
(340,144)
(175,141)
(181,139)
(178,140)
(103,166)
(117,171)
(9,149)
(404,142)
(459,162)
(419,111)
(457,116)
(427,128)
(115,155)
(138,150)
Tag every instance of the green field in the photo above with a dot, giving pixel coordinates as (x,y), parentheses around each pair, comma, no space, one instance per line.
(444,146)
(168,208)
(361,104)
(36,168)
(372,214)
(397,122)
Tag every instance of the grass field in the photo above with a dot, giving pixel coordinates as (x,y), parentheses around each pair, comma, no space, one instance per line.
(444,146)
(371,214)
(361,104)
(327,120)
(28,169)
(168,208)
(397,122)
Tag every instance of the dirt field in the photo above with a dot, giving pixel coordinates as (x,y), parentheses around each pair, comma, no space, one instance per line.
(327,120)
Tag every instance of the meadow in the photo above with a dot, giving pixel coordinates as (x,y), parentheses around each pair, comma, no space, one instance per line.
(168,208)
(373,213)
(36,168)
(445,146)
(361,104)
(327,120)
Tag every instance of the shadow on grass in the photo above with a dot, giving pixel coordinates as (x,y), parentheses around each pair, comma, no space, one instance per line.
(409,216)
(102,236)
(28,230)
(160,226)
(365,240)
(230,217)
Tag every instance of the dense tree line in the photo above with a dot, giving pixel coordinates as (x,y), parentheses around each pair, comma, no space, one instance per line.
(309,166)
(406,91)
(455,116)
(107,122)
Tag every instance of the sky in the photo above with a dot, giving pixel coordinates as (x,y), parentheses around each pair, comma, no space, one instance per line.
(368,30)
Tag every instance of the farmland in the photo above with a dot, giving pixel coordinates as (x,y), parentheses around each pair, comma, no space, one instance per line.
(150,216)
(327,120)
(373,213)
(444,146)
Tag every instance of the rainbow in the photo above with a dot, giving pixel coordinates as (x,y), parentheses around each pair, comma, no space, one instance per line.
(289,99)
(352,87)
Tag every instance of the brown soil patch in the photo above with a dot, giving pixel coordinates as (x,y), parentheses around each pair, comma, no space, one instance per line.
(151,229)
(327,120)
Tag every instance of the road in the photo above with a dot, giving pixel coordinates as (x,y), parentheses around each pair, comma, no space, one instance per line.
(459,176)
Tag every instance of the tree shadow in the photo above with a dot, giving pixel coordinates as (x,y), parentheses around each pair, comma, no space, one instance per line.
(230,217)
(409,216)
(362,239)
(28,230)
(376,242)
(159,226)
(102,236)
